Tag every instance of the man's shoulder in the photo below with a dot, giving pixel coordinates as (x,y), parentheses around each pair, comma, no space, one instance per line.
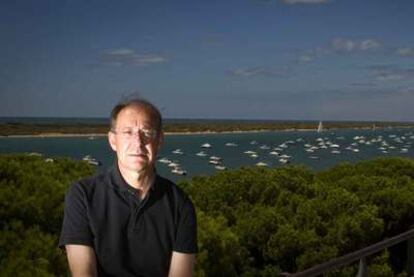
(172,189)
(91,184)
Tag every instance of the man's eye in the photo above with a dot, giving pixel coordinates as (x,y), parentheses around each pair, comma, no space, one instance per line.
(147,132)
(127,132)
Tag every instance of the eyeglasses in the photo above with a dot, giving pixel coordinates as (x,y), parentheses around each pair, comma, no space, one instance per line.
(146,135)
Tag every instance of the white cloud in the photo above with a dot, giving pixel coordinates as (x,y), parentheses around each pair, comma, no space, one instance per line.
(257,71)
(389,73)
(311,55)
(126,56)
(292,2)
(406,52)
(338,46)
(306,58)
(369,44)
(121,51)
(348,45)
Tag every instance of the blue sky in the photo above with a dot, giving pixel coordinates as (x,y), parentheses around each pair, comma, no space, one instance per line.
(244,59)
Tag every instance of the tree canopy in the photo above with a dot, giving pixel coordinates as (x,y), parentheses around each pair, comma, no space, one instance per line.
(251,222)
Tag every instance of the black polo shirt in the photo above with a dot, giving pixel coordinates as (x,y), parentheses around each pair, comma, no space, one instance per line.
(131,237)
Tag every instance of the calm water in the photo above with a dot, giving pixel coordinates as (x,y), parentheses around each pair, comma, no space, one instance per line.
(369,144)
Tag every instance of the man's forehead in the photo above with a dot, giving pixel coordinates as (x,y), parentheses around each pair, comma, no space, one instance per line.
(135,116)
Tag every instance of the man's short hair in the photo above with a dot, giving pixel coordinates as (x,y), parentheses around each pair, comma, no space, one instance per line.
(141,103)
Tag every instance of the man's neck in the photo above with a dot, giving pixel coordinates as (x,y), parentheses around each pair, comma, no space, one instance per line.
(142,181)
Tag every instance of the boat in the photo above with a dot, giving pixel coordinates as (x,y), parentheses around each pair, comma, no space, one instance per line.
(179,171)
(283,161)
(206,145)
(215,162)
(173,164)
(232,144)
(164,161)
(320,127)
(264,147)
(201,154)
(215,158)
(90,160)
(178,152)
(220,167)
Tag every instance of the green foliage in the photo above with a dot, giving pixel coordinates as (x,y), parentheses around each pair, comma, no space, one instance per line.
(289,219)
(31,209)
(252,221)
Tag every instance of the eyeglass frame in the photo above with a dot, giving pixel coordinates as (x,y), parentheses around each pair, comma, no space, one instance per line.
(142,133)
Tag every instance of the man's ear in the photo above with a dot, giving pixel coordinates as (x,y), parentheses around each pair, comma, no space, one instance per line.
(111,140)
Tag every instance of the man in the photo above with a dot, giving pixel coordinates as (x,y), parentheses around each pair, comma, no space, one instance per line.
(129,221)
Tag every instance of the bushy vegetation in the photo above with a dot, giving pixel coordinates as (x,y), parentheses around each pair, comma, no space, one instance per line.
(19,128)
(262,221)
(31,209)
(252,221)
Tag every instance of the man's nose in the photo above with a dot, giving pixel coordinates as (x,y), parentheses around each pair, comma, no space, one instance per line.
(137,137)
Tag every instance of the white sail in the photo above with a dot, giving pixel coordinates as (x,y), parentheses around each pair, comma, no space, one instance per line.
(320,127)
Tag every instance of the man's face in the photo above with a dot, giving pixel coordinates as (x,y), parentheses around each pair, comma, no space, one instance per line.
(135,140)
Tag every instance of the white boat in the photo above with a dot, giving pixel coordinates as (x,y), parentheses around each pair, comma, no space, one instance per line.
(314,157)
(172,164)
(261,164)
(264,147)
(206,145)
(215,158)
(179,171)
(164,160)
(220,167)
(178,152)
(320,127)
(90,160)
(283,161)
(215,162)
(201,154)
(232,144)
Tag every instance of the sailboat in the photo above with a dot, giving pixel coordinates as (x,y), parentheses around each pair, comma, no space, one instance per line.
(320,127)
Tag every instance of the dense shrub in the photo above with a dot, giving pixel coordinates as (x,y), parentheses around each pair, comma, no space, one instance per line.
(252,221)
(291,218)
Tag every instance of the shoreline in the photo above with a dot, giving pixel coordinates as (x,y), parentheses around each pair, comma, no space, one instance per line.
(99,135)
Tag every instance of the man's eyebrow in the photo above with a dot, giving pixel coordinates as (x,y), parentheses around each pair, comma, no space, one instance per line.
(145,126)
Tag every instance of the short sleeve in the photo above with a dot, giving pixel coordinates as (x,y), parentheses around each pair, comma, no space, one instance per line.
(186,238)
(75,227)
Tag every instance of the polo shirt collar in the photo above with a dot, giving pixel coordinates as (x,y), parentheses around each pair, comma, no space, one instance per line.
(120,183)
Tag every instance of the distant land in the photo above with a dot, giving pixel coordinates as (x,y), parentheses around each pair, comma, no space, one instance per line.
(26,126)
